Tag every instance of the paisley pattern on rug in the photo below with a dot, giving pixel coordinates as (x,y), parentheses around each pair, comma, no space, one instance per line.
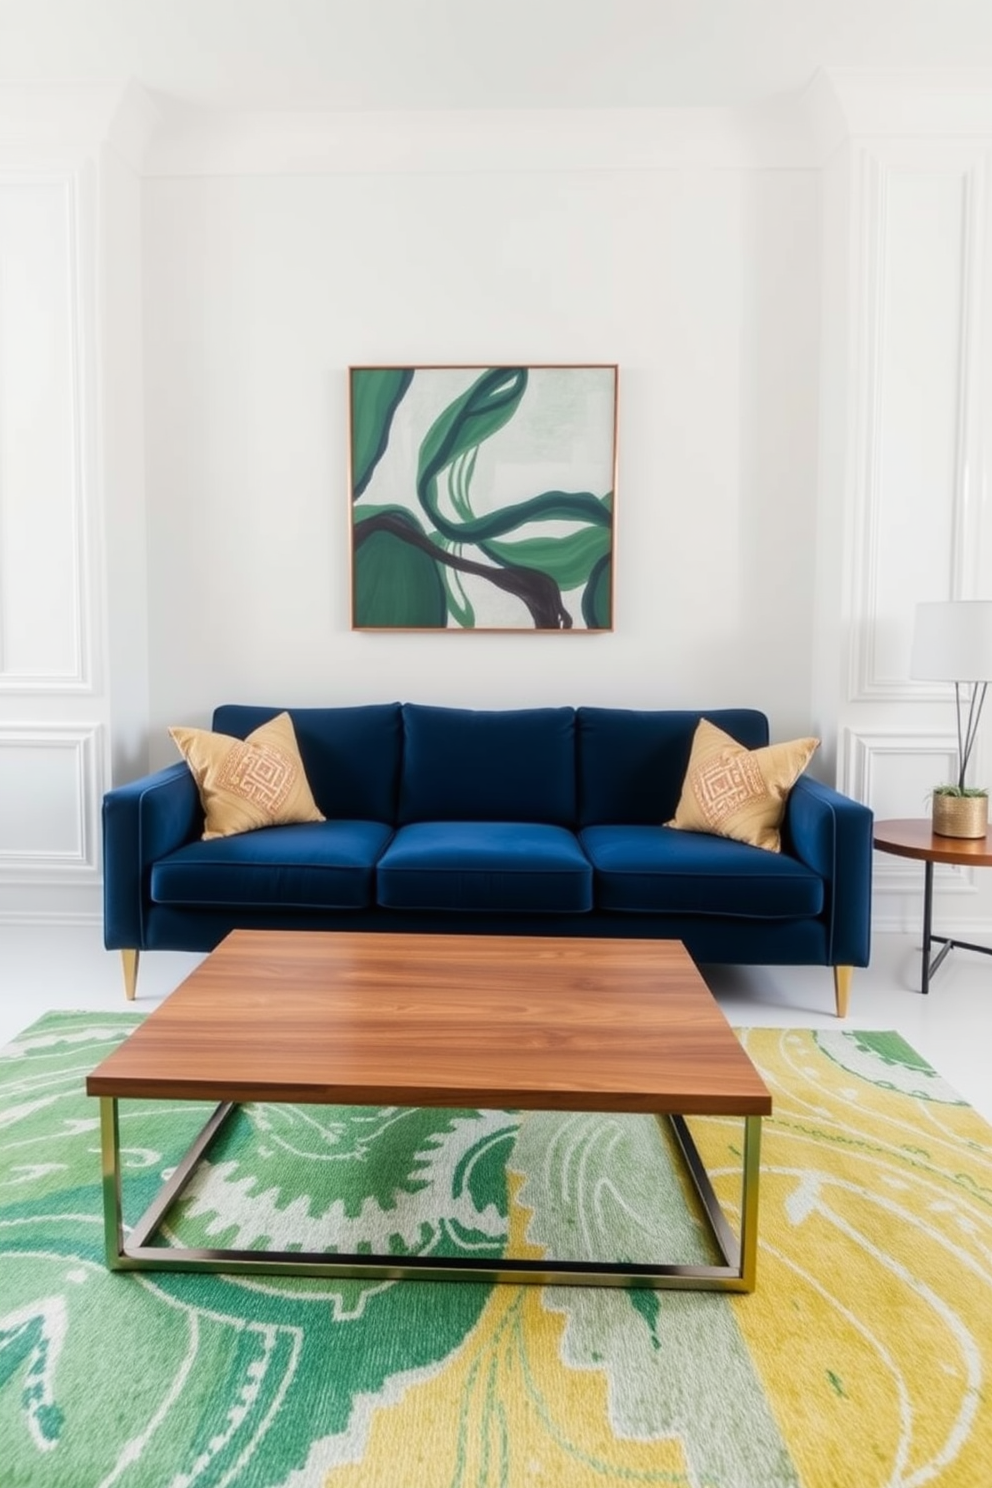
(863,1359)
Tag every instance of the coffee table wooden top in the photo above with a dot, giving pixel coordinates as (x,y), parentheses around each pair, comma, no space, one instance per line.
(441,1020)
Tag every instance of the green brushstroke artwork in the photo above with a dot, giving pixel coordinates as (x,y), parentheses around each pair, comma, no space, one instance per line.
(483,497)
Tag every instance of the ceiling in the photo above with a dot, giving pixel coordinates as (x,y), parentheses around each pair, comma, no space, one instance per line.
(420,54)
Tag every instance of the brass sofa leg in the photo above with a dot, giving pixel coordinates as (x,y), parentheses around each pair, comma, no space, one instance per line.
(129,961)
(842,988)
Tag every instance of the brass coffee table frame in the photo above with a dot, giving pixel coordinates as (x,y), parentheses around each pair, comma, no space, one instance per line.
(735,1273)
(440,1021)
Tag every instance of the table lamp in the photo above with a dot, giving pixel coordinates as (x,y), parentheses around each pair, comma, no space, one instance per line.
(952,642)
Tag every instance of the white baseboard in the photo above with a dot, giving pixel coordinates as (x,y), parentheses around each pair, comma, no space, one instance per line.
(49,917)
(52,904)
(910,923)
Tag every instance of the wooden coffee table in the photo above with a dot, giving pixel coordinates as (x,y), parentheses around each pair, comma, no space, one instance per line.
(491,1022)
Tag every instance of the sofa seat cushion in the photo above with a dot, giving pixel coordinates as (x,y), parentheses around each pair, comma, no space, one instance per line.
(498,866)
(649,870)
(329,865)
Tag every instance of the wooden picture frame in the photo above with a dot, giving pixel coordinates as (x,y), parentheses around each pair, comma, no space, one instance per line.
(482,498)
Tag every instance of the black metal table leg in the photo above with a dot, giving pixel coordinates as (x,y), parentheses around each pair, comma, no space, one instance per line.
(927,916)
(946,944)
(916,839)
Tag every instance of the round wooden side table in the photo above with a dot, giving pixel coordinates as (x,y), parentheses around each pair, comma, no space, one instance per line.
(917,839)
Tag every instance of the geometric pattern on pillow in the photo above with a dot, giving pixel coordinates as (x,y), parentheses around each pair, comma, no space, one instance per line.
(245,784)
(730,791)
(257,773)
(724,785)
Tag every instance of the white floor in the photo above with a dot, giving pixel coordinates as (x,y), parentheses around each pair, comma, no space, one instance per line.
(66,967)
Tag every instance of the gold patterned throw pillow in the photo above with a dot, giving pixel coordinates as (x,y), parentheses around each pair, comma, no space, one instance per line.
(248,783)
(735,792)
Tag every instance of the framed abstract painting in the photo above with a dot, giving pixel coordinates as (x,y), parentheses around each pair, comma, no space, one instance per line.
(482,498)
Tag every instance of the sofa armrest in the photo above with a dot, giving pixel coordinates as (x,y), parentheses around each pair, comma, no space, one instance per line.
(142,822)
(832,834)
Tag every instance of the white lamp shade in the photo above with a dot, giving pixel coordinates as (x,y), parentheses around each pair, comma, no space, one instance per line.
(952,641)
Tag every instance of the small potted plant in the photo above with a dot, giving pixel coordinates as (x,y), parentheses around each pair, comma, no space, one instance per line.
(960,810)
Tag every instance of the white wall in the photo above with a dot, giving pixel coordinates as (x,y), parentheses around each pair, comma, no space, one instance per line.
(918,487)
(73,630)
(800,307)
(52,704)
(260,291)
(124,550)
(905,504)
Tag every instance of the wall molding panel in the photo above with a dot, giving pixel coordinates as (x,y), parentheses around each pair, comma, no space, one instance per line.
(865,747)
(871,180)
(45,640)
(967,578)
(897,899)
(916,455)
(39,918)
(54,711)
(869,754)
(51,788)
(914,378)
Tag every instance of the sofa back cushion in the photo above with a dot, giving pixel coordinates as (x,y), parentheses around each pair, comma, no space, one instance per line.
(631,763)
(460,764)
(351,755)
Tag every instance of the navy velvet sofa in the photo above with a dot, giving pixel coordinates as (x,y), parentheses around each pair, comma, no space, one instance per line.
(543,821)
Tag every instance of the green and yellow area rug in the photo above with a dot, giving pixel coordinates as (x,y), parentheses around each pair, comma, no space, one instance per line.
(863,1360)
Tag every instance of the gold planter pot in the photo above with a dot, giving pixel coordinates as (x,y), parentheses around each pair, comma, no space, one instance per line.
(960,816)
